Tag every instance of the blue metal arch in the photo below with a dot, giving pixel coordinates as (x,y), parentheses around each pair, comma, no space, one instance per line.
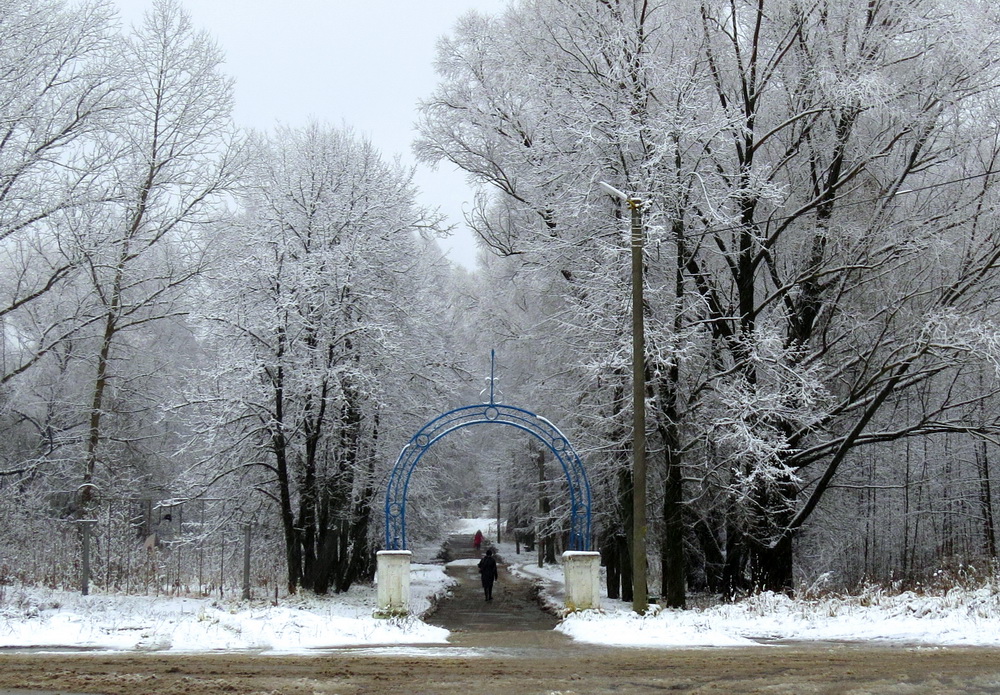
(487,413)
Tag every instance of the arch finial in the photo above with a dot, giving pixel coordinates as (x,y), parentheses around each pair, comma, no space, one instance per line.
(496,395)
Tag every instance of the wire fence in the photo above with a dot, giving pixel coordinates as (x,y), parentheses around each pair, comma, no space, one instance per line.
(143,546)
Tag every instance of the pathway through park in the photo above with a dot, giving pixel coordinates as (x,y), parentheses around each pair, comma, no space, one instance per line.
(514,618)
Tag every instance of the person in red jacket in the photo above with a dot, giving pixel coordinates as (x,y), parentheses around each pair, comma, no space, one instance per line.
(477,540)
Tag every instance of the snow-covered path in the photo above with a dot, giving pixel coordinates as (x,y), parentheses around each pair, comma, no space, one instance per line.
(513,607)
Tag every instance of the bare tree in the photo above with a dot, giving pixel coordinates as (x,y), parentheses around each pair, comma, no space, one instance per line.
(175,158)
(57,95)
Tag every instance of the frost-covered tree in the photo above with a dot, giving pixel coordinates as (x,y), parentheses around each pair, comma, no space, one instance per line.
(807,171)
(539,104)
(126,150)
(57,95)
(825,309)
(317,319)
(174,159)
(117,152)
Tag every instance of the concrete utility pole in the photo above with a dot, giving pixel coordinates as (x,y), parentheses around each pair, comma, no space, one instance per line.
(640,599)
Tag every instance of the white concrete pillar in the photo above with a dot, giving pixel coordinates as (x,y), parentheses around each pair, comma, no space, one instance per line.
(393,579)
(583,586)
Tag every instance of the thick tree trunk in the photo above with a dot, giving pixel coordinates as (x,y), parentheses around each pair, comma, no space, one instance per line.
(307,531)
(332,567)
(361,562)
(612,565)
(279,446)
(734,581)
(771,566)
(769,551)
(624,540)
(674,570)
(327,558)
(986,500)
(293,557)
(313,529)
(624,555)
(673,588)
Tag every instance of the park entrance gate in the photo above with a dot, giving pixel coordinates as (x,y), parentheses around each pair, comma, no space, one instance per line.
(488,413)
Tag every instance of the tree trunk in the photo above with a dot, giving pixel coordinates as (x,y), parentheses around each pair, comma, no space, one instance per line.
(624,540)
(609,557)
(353,523)
(307,527)
(546,535)
(101,378)
(326,560)
(333,559)
(986,500)
(734,580)
(673,573)
(707,576)
(360,563)
(96,409)
(771,566)
(279,446)
(624,555)
(769,551)
(293,557)
(674,570)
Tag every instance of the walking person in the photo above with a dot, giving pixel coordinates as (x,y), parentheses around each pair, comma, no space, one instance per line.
(477,540)
(489,574)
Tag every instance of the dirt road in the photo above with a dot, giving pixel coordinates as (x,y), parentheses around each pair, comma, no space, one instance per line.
(513,670)
(508,647)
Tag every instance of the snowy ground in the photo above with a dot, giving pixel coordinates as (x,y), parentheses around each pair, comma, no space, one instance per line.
(959,617)
(42,618)
(31,617)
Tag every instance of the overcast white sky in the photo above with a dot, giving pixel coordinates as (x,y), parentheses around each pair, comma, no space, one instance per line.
(363,63)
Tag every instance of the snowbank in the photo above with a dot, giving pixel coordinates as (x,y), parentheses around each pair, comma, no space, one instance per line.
(31,617)
(962,616)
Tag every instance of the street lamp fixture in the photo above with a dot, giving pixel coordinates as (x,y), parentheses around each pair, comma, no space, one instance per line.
(640,600)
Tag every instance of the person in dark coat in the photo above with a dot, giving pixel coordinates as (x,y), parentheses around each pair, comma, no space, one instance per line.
(477,540)
(489,574)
